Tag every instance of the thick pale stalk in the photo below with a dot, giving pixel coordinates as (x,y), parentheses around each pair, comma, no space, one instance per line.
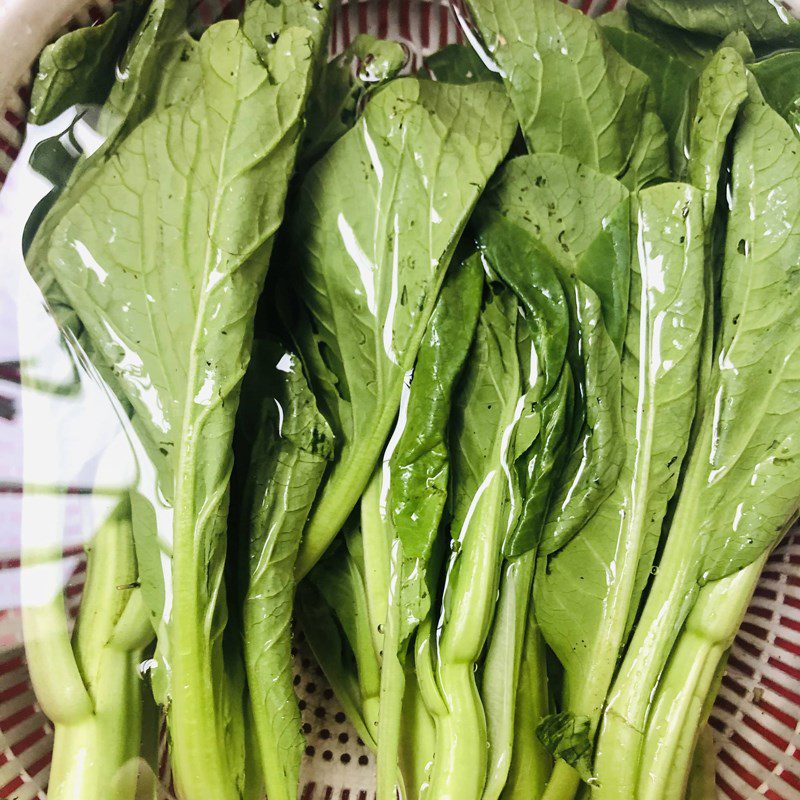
(499,687)
(678,714)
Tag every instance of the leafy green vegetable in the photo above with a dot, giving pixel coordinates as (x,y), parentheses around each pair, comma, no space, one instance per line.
(579,219)
(761,20)
(739,491)
(531,762)
(368,282)
(330,648)
(485,414)
(568,738)
(573,93)
(778,78)
(79,67)
(179,341)
(344,86)
(585,614)
(339,579)
(540,446)
(418,474)
(289,456)
(673,74)
(98,718)
(263,21)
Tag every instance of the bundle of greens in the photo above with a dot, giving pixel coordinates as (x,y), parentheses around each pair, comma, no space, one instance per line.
(509,427)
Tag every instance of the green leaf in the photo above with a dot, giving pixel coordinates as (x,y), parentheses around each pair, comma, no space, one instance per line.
(580,221)
(740,489)
(134,95)
(456,63)
(263,21)
(79,67)
(761,20)
(585,617)
(332,652)
(419,464)
(531,273)
(418,476)
(344,85)
(568,737)
(485,414)
(368,281)
(779,78)
(292,446)
(650,162)
(673,73)
(573,93)
(340,580)
(722,88)
(199,186)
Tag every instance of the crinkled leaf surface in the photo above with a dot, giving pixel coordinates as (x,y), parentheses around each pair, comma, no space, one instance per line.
(378,220)
(586,594)
(573,93)
(163,257)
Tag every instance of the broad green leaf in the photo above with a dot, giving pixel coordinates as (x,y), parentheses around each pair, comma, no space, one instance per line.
(344,85)
(779,80)
(580,221)
(573,93)
(761,20)
(740,489)
(190,188)
(584,615)
(292,446)
(456,63)
(485,415)
(79,67)
(377,222)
